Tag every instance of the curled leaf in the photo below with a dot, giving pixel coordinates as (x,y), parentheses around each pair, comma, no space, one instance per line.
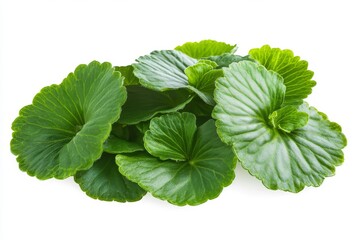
(63,130)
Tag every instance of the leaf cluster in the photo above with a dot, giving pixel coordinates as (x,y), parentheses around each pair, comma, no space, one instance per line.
(176,122)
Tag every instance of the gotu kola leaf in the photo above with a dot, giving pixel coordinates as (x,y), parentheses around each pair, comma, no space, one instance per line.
(63,130)
(206,48)
(208,167)
(171,69)
(103,181)
(297,78)
(289,160)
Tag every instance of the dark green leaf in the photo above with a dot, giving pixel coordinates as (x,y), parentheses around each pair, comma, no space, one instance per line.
(142,104)
(210,167)
(103,181)
(64,129)
(117,145)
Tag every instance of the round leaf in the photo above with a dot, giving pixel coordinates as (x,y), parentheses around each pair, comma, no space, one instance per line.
(297,78)
(163,70)
(103,181)
(304,156)
(206,48)
(171,136)
(64,129)
(200,178)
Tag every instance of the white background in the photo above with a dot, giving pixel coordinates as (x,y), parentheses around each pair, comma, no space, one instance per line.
(42,41)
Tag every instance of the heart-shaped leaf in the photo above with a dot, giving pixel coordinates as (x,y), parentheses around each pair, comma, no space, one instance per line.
(297,78)
(206,48)
(208,168)
(282,159)
(103,181)
(64,129)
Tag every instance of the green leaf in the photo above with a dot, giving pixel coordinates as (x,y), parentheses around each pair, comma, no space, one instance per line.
(171,136)
(103,181)
(246,96)
(288,119)
(206,48)
(199,108)
(202,79)
(64,129)
(128,73)
(163,70)
(117,145)
(142,104)
(196,71)
(226,59)
(297,78)
(200,178)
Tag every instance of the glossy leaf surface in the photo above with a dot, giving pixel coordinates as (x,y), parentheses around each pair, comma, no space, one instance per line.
(246,96)
(63,130)
(209,168)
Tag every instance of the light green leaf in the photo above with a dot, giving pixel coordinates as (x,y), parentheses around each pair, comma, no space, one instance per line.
(64,129)
(128,73)
(103,181)
(226,59)
(142,104)
(171,136)
(297,78)
(196,71)
(209,168)
(288,119)
(246,96)
(202,79)
(163,70)
(206,48)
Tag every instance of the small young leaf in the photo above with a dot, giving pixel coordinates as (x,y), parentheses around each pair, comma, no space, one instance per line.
(171,136)
(64,129)
(103,181)
(297,78)
(206,48)
(288,119)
